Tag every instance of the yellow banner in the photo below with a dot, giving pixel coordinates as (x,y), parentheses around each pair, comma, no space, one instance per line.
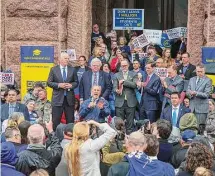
(34,72)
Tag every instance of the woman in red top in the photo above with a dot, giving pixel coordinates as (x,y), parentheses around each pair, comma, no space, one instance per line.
(116,60)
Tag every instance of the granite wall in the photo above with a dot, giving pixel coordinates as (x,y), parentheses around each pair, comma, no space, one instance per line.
(201,28)
(67,24)
(60,23)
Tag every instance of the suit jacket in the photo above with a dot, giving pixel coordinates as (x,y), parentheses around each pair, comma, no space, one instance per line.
(167,113)
(19,108)
(150,96)
(86,84)
(55,77)
(199,103)
(190,72)
(129,87)
(177,85)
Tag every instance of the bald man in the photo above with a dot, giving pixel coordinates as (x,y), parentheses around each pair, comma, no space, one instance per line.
(63,80)
(36,156)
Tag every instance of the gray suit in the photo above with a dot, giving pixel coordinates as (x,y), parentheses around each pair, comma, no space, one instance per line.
(199,103)
(175,85)
(126,108)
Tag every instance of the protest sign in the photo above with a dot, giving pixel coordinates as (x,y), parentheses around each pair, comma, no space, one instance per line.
(165,42)
(177,32)
(208,55)
(36,62)
(153,36)
(72,54)
(140,41)
(161,72)
(124,19)
(7,78)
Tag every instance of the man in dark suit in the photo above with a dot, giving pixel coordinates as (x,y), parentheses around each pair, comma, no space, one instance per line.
(173,83)
(198,92)
(95,77)
(174,112)
(63,80)
(13,106)
(151,84)
(186,70)
(124,86)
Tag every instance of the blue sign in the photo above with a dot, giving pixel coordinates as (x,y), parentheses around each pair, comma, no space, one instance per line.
(124,19)
(208,55)
(37,54)
(165,42)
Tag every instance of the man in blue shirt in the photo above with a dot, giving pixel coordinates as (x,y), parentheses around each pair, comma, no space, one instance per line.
(96,107)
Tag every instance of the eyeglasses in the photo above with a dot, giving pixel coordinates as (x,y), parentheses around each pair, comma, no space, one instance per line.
(124,65)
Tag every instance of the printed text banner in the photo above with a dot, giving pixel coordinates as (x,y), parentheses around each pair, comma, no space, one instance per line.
(36,62)
(7,78)
(208,55)
(153,36)
(124,19)
(37,54)
(177,32)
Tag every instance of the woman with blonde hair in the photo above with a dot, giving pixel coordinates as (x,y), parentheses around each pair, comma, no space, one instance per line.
(166,56)
(83,153)
(97,53)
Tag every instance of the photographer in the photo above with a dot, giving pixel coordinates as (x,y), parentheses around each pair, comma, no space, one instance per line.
(95,108)
(83,154)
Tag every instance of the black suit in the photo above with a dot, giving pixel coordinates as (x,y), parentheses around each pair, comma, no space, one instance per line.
(60,101)
(86,84)
(189,73)
(19,108)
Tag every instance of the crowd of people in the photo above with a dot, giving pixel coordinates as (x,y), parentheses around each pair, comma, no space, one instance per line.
(113,115)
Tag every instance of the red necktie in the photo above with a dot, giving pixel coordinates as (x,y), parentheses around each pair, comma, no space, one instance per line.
(147,80)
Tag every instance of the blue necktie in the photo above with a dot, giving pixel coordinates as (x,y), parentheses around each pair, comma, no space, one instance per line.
(64,74)
(174,117)
(64,78)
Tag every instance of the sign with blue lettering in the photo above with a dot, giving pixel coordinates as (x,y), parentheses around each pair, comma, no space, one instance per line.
(208,55)
(124,19)
(37,54)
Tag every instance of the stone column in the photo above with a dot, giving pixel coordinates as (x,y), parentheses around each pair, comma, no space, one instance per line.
(79,26)
(32,22)
(209,24)
(196,18)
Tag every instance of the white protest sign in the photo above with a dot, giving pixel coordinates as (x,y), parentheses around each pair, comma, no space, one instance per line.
(140,41)
(161,72)
(153,36)
(7,78)
(72,54)
(177,32)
